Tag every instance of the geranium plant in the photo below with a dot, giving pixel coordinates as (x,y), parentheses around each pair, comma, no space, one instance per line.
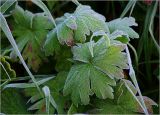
(90,61)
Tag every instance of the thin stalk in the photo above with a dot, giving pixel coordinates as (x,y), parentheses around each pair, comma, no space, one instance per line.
(129,89)
(7,5)
(1,85)
(135,54)
(76,2)
(151,24)
(26,77)
(128,7)
(156,44)
(16,79)
(5,51)
(132,8)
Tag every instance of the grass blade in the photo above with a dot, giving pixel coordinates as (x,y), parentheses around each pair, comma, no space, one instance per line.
(76,2)
(6,30)
(145,43)
(129,6)
(27,78)
(26,85)
(130,90)
(132,8)
(151,24)
(36,105)
(3,84)
(133,77)
(49,99)
(53,102)
(19,85)
(44,8)
(72,110)
(44,80)
(135,54)
(7,5)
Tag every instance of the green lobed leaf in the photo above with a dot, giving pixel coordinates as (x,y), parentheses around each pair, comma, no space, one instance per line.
(123,24)
(124,103)
(119,36)
(74,27)
(77,25)
(95,74)
(30,31)
(83,79)
(62,56)
(51,44)
(113,62)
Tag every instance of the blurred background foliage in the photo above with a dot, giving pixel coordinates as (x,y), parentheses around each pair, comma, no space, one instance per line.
(147,68)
